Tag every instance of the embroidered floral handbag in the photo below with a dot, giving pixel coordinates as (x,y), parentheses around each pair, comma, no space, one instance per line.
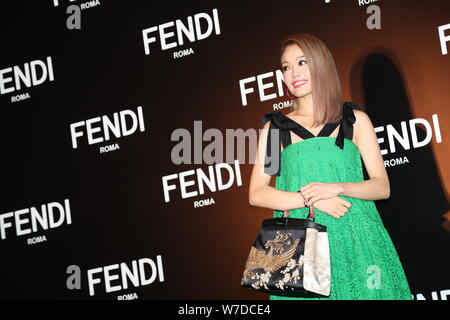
(290,257)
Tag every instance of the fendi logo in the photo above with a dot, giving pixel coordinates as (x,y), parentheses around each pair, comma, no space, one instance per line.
(405,136)
(31,74)
(173,34)
(103,128)
(119,276)
(265,86)
(32,220)
(192,183)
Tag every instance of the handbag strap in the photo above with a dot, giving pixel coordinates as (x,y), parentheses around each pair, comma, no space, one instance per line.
(311,211)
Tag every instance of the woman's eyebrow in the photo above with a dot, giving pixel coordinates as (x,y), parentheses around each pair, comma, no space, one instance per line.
(296,58)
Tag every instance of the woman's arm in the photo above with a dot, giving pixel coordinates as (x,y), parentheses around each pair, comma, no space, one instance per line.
(261,194)
(377,187)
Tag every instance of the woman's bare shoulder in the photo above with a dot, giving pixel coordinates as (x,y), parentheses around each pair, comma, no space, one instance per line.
(363,125)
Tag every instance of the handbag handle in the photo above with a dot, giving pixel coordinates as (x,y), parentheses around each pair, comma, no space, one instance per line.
(311,213)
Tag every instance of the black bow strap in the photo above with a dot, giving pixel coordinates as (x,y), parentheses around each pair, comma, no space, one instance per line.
(280,127)
(347,121)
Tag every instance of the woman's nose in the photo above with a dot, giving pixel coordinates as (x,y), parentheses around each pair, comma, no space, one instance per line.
(295,72)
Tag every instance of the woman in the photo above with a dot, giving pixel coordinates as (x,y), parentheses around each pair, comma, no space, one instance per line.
(322,143)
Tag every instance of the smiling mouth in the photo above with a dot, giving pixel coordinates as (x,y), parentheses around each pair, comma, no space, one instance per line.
(299,83)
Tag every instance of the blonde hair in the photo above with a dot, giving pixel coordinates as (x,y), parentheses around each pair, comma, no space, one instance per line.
(325,83)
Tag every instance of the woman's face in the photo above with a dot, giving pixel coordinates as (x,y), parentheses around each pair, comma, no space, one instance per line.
(296,71)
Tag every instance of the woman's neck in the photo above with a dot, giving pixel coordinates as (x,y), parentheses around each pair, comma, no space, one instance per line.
(304,106)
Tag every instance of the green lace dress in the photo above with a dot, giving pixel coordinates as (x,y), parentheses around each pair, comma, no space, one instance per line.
(364,262)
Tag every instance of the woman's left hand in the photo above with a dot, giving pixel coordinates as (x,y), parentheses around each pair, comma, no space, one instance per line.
(316,191)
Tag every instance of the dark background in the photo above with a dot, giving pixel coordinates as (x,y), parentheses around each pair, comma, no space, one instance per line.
(118,210)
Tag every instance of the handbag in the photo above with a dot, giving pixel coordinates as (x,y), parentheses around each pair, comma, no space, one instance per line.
(290,257)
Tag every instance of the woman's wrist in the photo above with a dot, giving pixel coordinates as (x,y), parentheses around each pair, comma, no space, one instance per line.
(298,195)
(340,188)
(302,199)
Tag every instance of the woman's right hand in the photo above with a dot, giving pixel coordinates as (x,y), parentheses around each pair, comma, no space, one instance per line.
(336,207)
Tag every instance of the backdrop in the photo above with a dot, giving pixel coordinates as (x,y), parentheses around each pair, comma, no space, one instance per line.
(97,95)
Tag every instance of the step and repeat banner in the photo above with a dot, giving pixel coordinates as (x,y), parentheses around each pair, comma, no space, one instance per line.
(122,173)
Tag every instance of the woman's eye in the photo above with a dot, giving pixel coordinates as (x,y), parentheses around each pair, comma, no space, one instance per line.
(301,63)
